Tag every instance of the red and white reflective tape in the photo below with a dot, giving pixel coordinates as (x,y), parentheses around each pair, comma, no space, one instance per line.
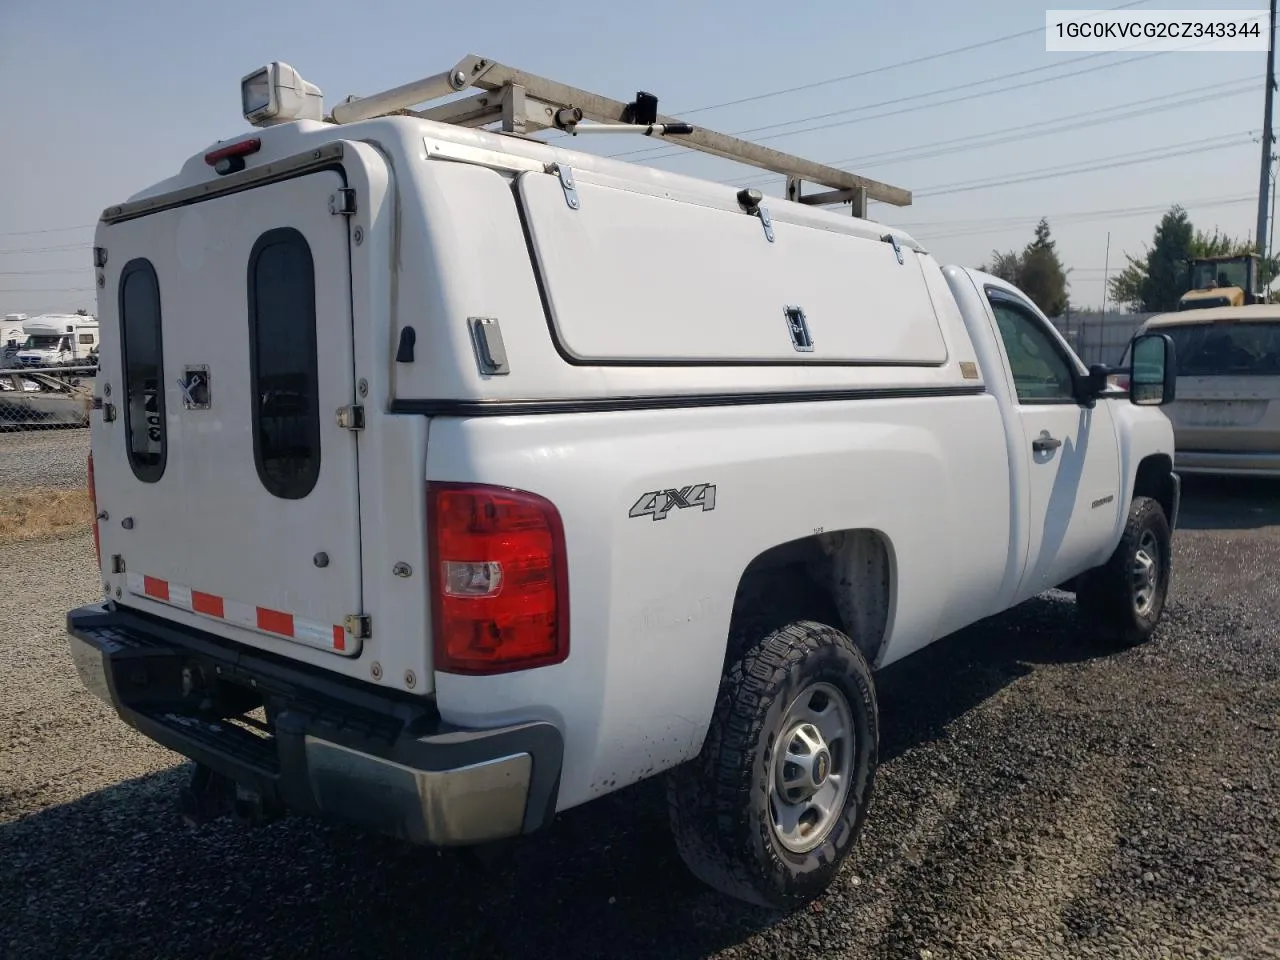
(275,623)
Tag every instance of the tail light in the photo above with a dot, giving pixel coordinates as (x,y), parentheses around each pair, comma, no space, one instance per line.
(93,503)
(499,580)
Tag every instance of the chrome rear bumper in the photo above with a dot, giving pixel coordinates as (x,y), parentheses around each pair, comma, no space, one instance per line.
(330,748)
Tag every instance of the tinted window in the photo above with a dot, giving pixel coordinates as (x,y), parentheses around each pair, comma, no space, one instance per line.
(141,350)
(1226,349)
(282,353)
(1040,372)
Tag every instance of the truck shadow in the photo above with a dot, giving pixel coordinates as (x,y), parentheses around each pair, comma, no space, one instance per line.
(118,867)
(921,695)
(1229,503)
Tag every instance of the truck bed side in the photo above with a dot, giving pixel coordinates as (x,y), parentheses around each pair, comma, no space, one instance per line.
(651,599)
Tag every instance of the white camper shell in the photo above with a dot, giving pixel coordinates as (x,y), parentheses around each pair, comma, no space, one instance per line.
(474,460)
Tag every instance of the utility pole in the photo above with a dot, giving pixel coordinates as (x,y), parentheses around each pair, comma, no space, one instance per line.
(1106,269)
(1264,180)
(1106,272)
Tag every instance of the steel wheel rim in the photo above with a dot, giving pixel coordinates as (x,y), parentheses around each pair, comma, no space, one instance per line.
(1145,572)
(812,767)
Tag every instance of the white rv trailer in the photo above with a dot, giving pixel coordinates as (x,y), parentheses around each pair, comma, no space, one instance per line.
(58,339)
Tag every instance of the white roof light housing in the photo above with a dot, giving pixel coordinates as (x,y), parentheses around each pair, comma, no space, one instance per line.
(277,93)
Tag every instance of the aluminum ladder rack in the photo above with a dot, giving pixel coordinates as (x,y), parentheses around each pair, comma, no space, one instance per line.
(524,103)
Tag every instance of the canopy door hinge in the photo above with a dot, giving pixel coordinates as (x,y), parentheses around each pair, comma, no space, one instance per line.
(342,202)
(890,239)
(752,201)
(565,173)
(359,625)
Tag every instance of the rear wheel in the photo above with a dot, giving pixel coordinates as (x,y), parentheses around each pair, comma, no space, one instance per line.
(1124,599)
(775,801)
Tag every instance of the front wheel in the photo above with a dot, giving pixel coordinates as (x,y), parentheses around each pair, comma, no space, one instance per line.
(1123,599)
(776,800)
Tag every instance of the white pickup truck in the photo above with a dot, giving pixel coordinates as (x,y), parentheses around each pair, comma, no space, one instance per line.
(446,479)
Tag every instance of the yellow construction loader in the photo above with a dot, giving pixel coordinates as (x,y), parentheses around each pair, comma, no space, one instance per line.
(1224,281)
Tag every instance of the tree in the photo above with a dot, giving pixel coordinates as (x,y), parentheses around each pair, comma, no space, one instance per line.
(1125,288)
(1155,282)
(1006,266)
(82,312)
(1042,277)
(1036,270)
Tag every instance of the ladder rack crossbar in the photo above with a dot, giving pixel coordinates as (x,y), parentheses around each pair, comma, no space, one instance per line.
(525,103)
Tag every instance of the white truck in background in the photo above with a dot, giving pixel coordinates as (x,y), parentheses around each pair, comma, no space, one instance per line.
(58,339)
(499,476)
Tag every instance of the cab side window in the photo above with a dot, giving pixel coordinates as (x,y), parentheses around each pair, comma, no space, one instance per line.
(1041,373)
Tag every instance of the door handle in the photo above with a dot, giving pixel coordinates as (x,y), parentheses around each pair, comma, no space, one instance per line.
(1044,443)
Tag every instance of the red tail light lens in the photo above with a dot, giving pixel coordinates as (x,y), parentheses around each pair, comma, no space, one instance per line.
(499,580)
(93,503)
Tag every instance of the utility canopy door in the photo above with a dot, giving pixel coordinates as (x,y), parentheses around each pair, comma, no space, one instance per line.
(239,484)
(637,278)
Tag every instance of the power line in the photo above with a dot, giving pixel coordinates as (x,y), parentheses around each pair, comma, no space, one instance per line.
(914,61)
(1106,215)
(58,249)
(1127,115)
(897,100)
(897,113)
(1119,161)
(647,154)
(1159,150)
(46,290)
(1025,132)
(29,233)
(1033,218)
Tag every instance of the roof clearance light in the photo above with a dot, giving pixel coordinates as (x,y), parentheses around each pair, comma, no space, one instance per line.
(277,94)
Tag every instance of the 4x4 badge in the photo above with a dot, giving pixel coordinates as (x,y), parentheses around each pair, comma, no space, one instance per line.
(658,503)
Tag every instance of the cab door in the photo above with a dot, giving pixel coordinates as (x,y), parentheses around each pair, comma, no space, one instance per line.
(1072,461)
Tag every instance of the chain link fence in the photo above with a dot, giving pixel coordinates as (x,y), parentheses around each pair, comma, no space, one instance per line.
(1097,337)
(46,398)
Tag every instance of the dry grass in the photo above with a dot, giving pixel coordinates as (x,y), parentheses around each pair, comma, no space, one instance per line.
(34,513)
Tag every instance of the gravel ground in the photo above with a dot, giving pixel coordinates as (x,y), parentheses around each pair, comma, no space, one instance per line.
(43,457)
(1038,798)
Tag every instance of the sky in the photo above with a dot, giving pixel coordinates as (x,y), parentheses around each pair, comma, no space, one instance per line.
(102,100)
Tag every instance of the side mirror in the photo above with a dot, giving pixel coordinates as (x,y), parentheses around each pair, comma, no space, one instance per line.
(1153,375)
(1098,374)
(1092,385)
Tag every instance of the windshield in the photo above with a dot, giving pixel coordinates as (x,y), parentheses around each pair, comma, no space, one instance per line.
(1217,350)
(1232,273)
(42,342)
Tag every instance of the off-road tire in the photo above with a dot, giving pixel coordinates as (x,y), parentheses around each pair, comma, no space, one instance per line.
(1105,595)
(719,807)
